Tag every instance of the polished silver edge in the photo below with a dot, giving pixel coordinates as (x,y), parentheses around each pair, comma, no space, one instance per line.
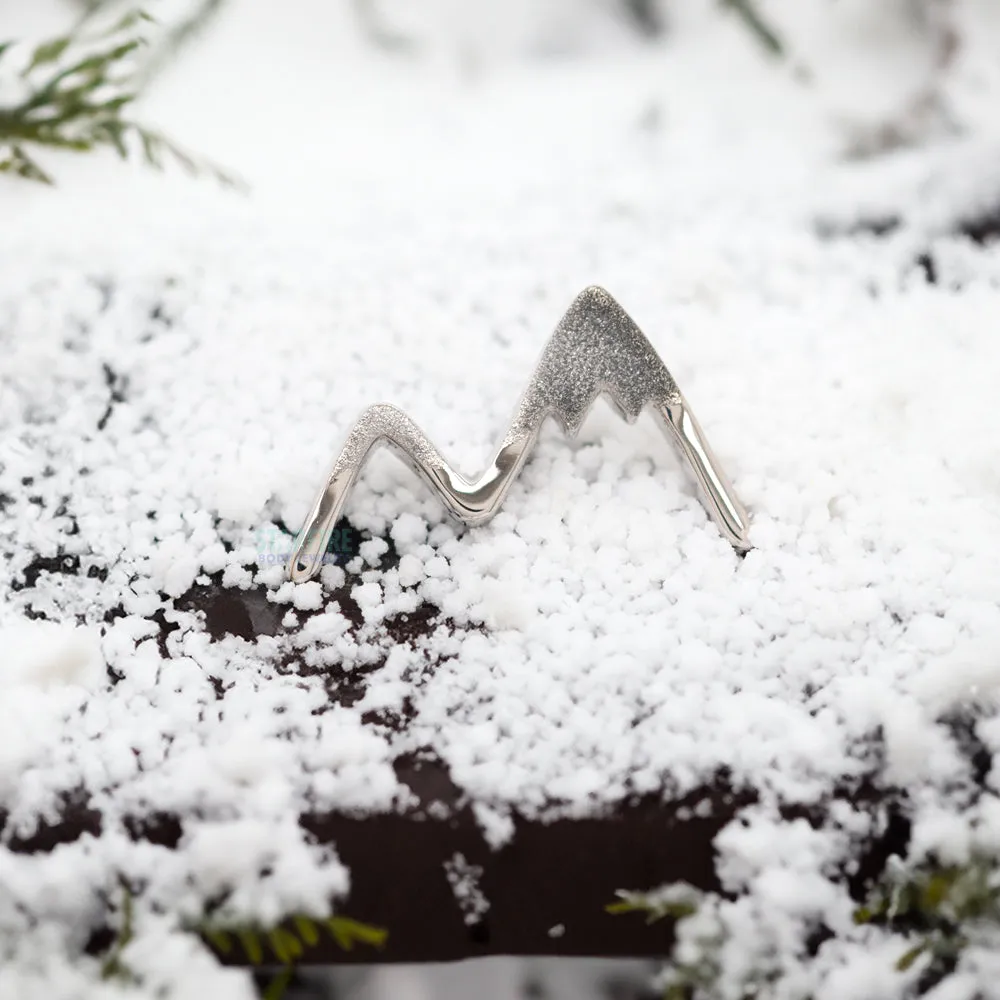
(595,350)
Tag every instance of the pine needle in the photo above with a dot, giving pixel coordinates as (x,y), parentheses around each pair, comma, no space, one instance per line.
(747,12)
(77,94)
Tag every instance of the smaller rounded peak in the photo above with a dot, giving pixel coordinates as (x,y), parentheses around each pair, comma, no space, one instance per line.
(594,296)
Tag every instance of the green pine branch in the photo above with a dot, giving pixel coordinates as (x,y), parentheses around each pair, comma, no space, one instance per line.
(112,967)
(748,12)
(179,35)
(674,903)
(936,908)
(682,980)
(288,942)
(76,94)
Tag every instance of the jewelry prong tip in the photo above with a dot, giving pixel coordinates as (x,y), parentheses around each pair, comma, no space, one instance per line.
(299,567)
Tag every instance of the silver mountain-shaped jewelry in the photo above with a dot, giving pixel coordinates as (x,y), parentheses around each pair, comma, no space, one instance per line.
(596,349)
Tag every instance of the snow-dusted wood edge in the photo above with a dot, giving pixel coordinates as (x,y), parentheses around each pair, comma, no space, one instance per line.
(428,875)
(442,893)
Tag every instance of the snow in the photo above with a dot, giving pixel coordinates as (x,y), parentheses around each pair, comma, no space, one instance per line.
(308,596)
(598,639)
(463,878)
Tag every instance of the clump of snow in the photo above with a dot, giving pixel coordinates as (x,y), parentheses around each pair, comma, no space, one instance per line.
(464,879)
(598,641)
(43,654)
(308,596)
(497,825)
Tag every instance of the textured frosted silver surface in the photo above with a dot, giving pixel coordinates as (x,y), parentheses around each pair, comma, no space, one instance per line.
(596,349)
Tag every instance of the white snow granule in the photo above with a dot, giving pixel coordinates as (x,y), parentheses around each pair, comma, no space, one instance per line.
(308,596)
(411,571)
(407,531)
(373,549)
(214,558)
(497,825)
(179,577)
(464,878)
(368,597)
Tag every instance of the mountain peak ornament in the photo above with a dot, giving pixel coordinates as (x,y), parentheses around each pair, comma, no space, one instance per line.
(595,350)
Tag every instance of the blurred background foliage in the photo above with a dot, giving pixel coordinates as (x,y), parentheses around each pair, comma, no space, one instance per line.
(77,90)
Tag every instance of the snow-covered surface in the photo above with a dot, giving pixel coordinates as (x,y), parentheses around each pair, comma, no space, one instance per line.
(180,366)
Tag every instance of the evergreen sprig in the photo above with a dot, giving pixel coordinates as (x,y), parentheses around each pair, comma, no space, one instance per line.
(288,942)
(283,944)
(937,909)
(675,903)
(112,967)
(77,92)
(683,980)
(749,13)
